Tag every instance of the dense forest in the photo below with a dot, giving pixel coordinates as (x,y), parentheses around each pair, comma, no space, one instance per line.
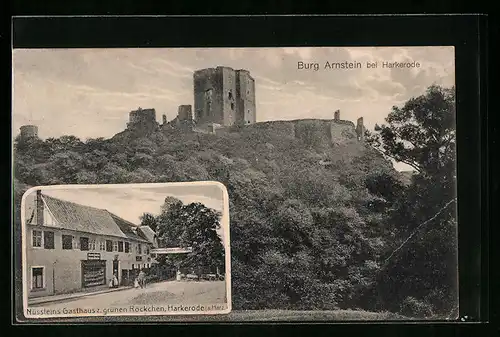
(351,233)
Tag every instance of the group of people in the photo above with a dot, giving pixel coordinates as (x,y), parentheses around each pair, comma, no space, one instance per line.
(139,282)
(113,283)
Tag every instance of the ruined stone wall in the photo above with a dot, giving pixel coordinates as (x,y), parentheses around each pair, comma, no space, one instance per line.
(143,119)
(340,132)
(360,129)
(324,132)
(29,131)
(185,113)
(313,132)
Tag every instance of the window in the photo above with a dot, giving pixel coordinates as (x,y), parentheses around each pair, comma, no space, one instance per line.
(133,265)
(102,245)
(120,246)
(146,250)
(127,247)
(232,106)
(67,242)
(37,278)
(92,244)
(84,243)
(115,246)
(230,95)
(37,238)
(109,245)
(139,249)
(48,240)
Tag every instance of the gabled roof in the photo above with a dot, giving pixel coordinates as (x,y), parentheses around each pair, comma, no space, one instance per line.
(130,230)
(149,234)
(73,216)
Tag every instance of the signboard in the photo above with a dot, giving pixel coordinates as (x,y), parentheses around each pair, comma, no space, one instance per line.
(93,273)
(176,250)
(93,256)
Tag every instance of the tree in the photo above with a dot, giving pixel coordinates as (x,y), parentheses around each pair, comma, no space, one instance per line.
(201,226)
(193,225)
(169,226)
(148,219)
(422,261)
(421,133)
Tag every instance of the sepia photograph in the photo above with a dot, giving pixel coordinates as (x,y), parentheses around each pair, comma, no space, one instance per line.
(138,249)
(339,165)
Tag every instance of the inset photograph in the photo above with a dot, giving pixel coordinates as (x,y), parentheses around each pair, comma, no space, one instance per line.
(131,249)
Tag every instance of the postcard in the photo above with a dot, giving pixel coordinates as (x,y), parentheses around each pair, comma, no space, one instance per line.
(339,165)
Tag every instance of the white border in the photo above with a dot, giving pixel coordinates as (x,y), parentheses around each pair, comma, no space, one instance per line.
(224,225)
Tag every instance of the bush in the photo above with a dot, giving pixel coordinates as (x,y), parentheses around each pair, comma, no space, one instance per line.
(414,308)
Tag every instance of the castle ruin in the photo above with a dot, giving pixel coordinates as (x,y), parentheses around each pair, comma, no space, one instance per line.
(224,96)
(29,132)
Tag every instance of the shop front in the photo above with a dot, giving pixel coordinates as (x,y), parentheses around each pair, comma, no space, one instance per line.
(93,272)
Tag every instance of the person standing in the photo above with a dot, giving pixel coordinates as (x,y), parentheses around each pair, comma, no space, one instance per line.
(142,278)
(115,281)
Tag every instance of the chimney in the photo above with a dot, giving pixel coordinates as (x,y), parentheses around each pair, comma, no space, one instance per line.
(39,208)
(337,115)
(164,119)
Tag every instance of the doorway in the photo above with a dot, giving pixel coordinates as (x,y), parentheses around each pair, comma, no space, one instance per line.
(116,269)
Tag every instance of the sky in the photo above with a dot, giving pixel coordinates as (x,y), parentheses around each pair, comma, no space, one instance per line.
(89,92)
(131,202)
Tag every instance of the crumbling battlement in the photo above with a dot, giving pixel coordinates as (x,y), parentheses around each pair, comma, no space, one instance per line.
(185,113)
(143,120)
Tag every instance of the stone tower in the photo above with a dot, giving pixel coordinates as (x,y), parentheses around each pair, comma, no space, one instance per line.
(143,120)
(224,96)
(29,132)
